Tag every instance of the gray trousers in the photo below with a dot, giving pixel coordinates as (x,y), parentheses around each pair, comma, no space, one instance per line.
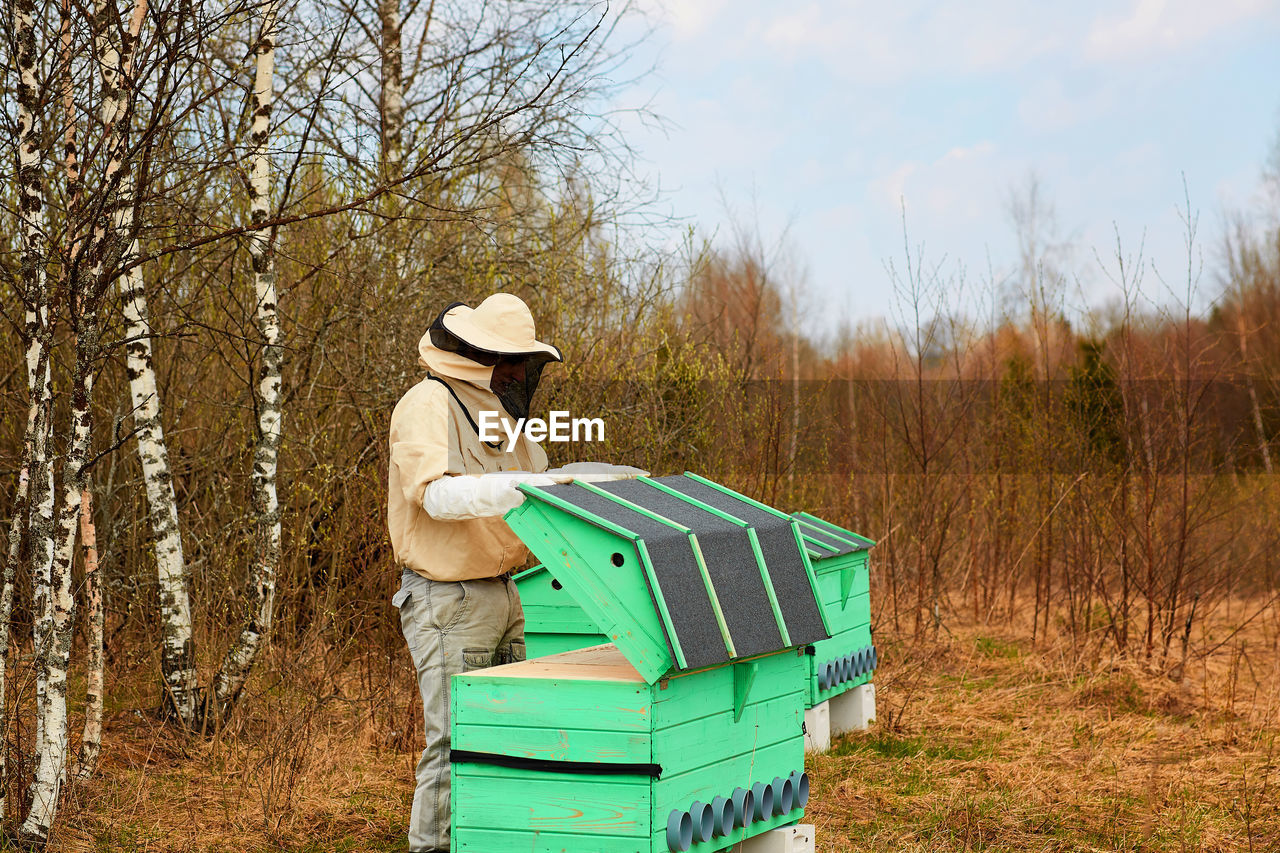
(451,627)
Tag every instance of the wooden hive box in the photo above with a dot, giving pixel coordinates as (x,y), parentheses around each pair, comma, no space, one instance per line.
(848,657)
(555,622)
(685,732)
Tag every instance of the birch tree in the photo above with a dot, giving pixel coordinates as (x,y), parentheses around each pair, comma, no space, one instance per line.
(85,290)
(91,739)
(33,504)
(266,508)
(54,626)
(392,89)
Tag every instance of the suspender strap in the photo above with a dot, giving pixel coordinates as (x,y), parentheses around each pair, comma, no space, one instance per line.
(466,412)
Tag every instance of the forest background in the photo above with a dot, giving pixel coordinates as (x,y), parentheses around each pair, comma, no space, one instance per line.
(224,233)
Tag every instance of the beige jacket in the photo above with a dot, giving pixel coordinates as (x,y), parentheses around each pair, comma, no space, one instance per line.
(431,437)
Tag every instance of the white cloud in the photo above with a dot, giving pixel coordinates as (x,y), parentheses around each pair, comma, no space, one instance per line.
(1155,26)
(801,27)
(889,41)
(688,19)
(960,184)
(891,189)
(1049,107)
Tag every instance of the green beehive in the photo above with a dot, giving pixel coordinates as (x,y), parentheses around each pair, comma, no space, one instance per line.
(683,733)
(555,622)
(839,559)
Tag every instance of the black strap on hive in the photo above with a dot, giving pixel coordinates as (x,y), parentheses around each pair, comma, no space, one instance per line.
(550,765)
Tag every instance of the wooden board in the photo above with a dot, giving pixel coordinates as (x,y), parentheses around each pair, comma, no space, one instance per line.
(689,725)
(606,573)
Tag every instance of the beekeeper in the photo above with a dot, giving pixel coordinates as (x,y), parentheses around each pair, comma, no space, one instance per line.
(447,491)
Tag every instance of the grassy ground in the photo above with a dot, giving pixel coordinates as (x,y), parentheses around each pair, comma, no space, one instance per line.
(982,744)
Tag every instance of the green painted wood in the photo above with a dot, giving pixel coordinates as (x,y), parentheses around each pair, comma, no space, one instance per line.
(833,566)
(700,694)
(808,569)
(755,547)
(710,732)
(845,596)
(539,645)
(768,588)
(542,802)
(566,620)
(673,642)
(499,841)
(554,621)
(744,675)
(561,744)
(846,585)
(708,741)
(581,555)
(573,510)
(634,507)
(824,538)
(728,491)
(705,507)
(713,597)
(574,545)
(744,769)
(836,529)
(551,703)
(839,577)
(697,553)
(841,581)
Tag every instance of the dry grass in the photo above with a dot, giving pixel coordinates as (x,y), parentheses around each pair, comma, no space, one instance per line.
(986,745)
(983,744)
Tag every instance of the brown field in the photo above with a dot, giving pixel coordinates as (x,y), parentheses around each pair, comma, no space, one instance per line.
(983,743)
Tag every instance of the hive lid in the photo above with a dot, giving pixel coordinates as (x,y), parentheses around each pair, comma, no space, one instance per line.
(824,540)
(682,573)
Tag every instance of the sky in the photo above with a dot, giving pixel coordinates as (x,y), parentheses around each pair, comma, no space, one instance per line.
(821,125)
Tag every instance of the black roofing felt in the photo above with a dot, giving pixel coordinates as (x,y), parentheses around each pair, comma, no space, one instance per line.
(730,561)
(675,567)
(781,555)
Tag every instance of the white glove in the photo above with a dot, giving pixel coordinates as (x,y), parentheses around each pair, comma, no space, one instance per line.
(481,496)
(597,472)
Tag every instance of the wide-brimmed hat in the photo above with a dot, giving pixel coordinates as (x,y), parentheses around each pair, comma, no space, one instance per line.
(500,325)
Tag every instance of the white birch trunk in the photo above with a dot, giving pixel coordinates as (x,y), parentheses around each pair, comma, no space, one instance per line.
(392,89)
(16,528)
(1263,444)
(55,625)
(262,574)
(177,656)
(91,741)
(34,462)
(36,493)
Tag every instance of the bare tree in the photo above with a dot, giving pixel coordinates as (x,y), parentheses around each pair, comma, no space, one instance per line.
(266,506)
(33,505)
